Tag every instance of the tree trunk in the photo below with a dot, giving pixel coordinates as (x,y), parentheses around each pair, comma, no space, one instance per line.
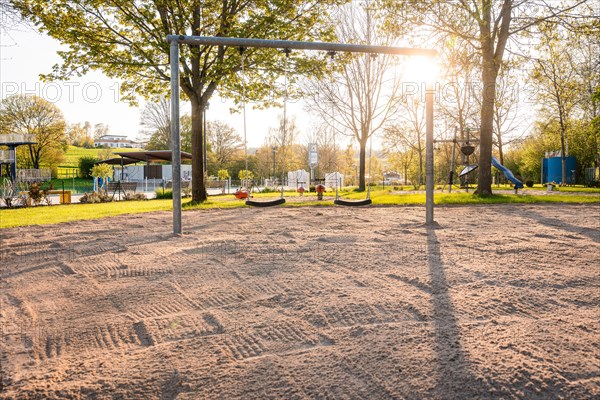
(198,189)
(563,156)
(500,152)
(362,164)
(484,184)
(33,156)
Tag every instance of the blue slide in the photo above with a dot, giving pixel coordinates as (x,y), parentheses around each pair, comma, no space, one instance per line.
(507,173)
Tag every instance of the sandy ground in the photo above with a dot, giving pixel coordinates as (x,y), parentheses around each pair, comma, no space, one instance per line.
(330,303)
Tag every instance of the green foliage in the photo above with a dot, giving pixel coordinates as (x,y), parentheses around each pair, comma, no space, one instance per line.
(126,41)
(52,215)
(164,194)
(30,114)
(74,153)
(245,175)
(102,171)
(86,163)
(223,174)
(37,195)
(525,158)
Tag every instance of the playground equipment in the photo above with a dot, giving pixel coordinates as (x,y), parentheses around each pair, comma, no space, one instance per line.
(9,158)
(280,200)
(320,188)
(174,42)
(338,181)
(508,174)
(467,149)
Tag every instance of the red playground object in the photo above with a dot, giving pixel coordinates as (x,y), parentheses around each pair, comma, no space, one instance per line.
(241,194)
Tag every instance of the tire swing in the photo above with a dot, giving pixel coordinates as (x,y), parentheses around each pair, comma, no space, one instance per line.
(250,202)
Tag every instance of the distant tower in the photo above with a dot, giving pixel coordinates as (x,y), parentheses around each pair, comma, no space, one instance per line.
(9,157)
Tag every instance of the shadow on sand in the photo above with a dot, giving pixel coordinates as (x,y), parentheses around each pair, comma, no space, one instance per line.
(454,377)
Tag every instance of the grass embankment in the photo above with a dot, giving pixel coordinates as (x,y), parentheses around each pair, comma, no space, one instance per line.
(74,153)
(55,214)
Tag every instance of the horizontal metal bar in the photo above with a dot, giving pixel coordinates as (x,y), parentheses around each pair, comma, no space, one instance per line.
(300,45)
(456,141)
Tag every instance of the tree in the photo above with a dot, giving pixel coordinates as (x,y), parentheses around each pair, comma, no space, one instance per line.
(29,114)
(556,79)
(77,135)
(126,40)
(508,117)
(283,136)
(460,64)
(360,97)
(100,130)
(487,26)
(408,134)
(103,171)
(86,163)
(155,120)
(224,142)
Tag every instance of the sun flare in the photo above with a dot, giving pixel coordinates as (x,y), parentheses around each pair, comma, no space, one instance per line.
(420,69)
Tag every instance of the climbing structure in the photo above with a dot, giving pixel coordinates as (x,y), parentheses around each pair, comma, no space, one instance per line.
(9,157)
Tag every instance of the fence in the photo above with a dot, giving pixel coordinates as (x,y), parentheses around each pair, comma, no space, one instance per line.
(7,156)
(18,138)
(34,175)
(592,175)
(67,173)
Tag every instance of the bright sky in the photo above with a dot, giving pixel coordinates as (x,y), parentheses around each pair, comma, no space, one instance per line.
(95,98)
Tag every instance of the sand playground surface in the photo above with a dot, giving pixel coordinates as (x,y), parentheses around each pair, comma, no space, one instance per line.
(499,301)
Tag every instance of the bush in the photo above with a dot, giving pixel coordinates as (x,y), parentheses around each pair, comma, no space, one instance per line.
(269,190)
(86,163)
(136,196)
(95,197)
(37,195)
(397,187)
(166,194)
(529,183)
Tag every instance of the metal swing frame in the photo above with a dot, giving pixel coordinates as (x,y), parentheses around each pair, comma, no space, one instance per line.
(174,42)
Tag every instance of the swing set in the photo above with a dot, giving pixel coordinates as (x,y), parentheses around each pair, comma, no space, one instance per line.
(287,45)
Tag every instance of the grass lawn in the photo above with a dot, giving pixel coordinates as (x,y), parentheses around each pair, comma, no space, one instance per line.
(74,153)
(55,214)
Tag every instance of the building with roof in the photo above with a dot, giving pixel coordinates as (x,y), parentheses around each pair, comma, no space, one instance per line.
(156,165)
(117,141)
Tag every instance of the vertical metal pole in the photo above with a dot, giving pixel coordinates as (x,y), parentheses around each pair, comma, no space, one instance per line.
(204,144)
(429,93)
(176,156)
(451,175)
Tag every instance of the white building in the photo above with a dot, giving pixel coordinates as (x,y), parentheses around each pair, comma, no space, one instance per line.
(299,178)
(137,173)
(117,141)
(334,179)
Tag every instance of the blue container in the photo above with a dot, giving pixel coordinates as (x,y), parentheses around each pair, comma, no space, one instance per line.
(552,169)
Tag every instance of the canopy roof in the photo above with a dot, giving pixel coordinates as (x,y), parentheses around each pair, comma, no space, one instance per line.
(153,155)
(132,157)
